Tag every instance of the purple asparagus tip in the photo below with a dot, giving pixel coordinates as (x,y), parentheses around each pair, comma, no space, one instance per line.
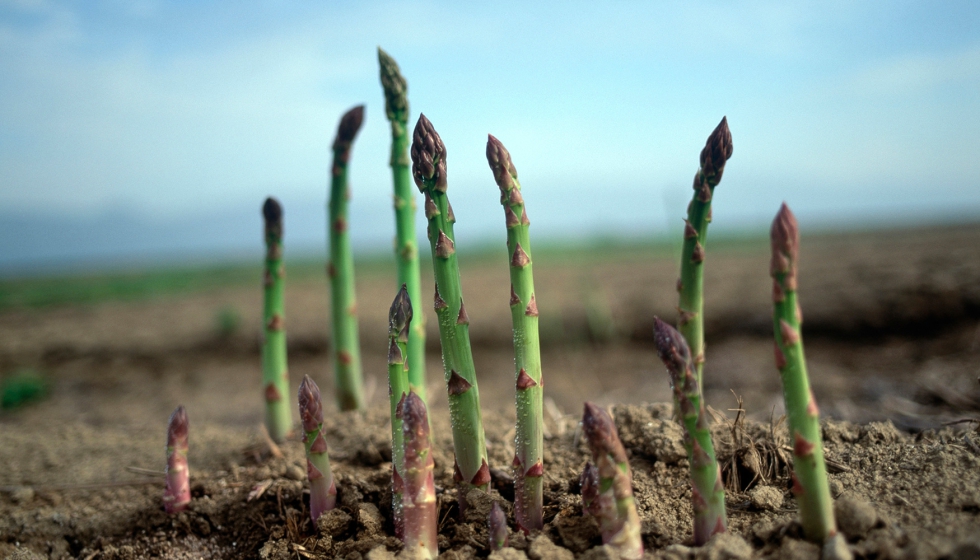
(310,407)
(272,212)
(717,150)
(499,534)
(600,431)
(349,125)
(502,166)
(428,155)
(589,481)
(671,347)
(400,315)
(177,493)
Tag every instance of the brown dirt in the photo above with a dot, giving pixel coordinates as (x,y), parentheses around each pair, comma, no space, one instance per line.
(891,335)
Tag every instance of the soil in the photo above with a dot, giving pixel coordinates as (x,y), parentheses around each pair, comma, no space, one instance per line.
(892,343)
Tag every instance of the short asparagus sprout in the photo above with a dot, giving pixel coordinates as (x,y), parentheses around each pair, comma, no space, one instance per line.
(177,494)
(529,444)
(323,491)
(716,152)
(340,270)
(589,483)
(421,517)
(275,376)
(498,534)
(399,321)
(406,248)
(707,491)
(615,507)
(810,485)
(469,441)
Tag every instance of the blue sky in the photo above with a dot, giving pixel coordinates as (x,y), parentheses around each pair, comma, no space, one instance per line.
(167,113)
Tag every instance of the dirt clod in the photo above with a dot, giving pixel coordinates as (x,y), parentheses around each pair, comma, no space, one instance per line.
(604,552)
(766,498)
(543,549)
(794,549)
(508,553)
(335,523)
(294,472)
(370,519)
(725,546)
(855,516)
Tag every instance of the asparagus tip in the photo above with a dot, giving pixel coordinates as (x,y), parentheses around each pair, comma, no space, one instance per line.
(785,233)
(671,346)
(310,407)
(394,85)
(428,155)
(350,124)
(600,431)
(400,315)
(272,212)
(177,426)
(501,164)
(497,522)
(413,414)
(717,149)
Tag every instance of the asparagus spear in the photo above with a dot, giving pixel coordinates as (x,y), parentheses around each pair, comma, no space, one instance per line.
(528,461)
(346,347)
(614,505)
(707,492)
(589,482)
(399,319)
(716,152)
(323,491)
(421,518)
(809,469)
(177,494)
(429,172)
(275,375)
(499,536)
(406,249)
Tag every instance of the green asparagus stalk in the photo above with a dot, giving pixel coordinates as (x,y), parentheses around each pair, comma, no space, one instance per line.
(323,491)
(406,248)
(809,469)
(499,535)
(346,346)
(716,152)
(429,171)
(707,491)
(589,482)
(615,507)
(399,320)
(421,518)
(275,375)
(177,494)
(528,459)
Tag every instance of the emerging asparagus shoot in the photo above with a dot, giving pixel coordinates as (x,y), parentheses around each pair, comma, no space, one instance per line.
(421,519)
(399,319)
(177,494)
(275,376)
(498,534)
(528,457)
(716,152)
(810,483)
(469,443)
(406,249)
(589,482)
(707,491)
(323,491)
(614,504)
(340,270)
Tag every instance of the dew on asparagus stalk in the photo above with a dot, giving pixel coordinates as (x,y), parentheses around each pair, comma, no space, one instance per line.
(810,483)
(529,444)
(177,494)
(614,504)
(715,153)
(406,248)
(707,491)
(429,170)
(499,535)
(323,491)
(275,376)
(340,270)
(419,511)
(399,321)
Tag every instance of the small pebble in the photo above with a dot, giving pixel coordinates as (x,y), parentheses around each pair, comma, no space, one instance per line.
(295,472)
(508,553)
(543,549)
(836,488)
(724,546)
(22,495)
(766,498)
(855,516)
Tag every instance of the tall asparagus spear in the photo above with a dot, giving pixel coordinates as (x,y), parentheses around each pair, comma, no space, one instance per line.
(421,520)
(429,171)
(406,249)
(716,152)
(614,505)
(528,461)
(323,491)
(275,376)
(707,491)
(177,494)
(343,308)
(399,319)
(809,469)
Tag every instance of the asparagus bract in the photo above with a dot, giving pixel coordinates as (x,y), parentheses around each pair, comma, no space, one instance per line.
(275,376)
(810,483)
(323,491)
(497,532)
(421,519)
(716,152)
(399,320)
(406,249)
(469,443)
(343,308)
(614,505)
(707,491)
(177,494)
(528,460)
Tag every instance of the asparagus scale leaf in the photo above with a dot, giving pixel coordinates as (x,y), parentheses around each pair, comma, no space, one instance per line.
(399,320)
(323,490)
(528,457)
(177,494)
(275,376)
(810,485)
